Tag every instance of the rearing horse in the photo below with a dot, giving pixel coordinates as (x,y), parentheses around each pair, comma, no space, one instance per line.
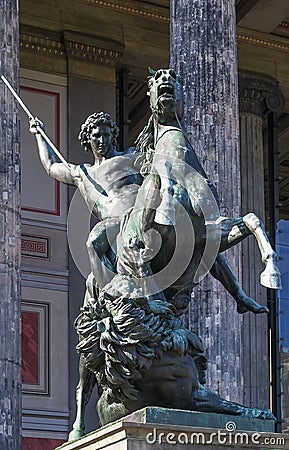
(170,239)
(176,186)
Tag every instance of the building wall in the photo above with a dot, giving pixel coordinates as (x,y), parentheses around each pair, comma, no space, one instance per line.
(53,279)
(44,268)
(73,69)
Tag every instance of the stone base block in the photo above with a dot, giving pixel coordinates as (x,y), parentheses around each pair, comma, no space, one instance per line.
(155,428)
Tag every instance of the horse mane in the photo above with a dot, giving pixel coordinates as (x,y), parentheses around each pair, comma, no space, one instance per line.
(145,147)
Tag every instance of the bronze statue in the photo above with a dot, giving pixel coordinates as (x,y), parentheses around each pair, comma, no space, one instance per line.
(151,201)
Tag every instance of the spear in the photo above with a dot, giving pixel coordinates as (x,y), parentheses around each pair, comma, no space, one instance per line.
(39,129)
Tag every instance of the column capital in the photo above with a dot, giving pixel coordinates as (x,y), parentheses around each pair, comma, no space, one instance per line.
(259,94)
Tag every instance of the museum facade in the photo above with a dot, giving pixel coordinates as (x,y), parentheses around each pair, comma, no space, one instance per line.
(83,56)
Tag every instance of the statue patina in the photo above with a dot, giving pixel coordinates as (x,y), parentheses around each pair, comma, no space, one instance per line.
(151,201)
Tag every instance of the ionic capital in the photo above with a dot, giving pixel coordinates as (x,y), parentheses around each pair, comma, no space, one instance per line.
(259,94)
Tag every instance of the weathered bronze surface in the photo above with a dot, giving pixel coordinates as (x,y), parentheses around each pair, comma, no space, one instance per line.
(159,233)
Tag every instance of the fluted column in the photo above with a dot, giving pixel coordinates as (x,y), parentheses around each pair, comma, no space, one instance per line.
(203,52)
(10,368)
(257,96)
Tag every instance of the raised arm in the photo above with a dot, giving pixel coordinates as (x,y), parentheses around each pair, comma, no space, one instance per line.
(50,161)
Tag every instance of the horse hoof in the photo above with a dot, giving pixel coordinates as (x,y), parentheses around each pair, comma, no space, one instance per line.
(271,280)
(75,434)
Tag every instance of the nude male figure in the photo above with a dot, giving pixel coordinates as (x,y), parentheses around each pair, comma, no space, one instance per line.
(109,186)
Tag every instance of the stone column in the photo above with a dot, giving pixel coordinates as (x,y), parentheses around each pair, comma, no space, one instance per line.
(10,301)
(203,52)
(257,96)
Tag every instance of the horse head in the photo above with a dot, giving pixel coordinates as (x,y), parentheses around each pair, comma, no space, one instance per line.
(166,95)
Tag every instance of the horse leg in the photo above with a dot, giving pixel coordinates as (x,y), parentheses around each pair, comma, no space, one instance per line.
(271,276)
(235,230)
(165,213)
(222,271)
(83,393)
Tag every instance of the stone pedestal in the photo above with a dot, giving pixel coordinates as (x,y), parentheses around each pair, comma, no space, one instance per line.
(159,428)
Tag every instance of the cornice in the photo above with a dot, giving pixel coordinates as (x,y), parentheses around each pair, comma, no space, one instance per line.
(74,46)
(89,48)
(92,54)
(130,7)
(48,46)
(261,40)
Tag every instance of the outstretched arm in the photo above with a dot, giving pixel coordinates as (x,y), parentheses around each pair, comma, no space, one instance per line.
(50,161)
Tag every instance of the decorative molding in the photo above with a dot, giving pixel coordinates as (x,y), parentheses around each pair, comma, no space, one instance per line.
(45,422)
(38,223)
(56,96)
(44,281)
(120,7)
(34,43)
(259,94)
(281,46)
(41,387)
(93,54)
(74,45)
(92,49)
(35,246)
(55,47)
(61,273)
(40,277)
(42,413)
